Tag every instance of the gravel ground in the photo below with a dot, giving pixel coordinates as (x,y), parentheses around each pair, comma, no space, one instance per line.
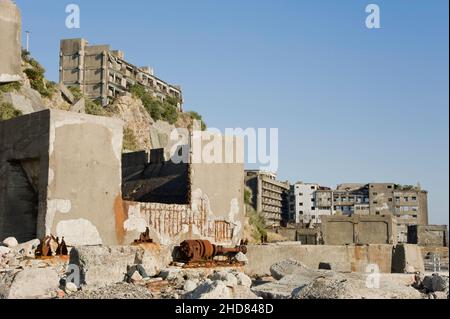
(117,291)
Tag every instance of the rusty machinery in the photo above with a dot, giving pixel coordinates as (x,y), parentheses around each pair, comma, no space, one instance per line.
(51,246)
(202,250)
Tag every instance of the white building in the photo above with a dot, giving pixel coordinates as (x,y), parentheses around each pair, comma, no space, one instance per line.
(304,206)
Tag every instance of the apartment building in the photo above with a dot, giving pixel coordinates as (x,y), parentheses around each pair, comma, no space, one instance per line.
(103,74)
(409,204)
(270,196)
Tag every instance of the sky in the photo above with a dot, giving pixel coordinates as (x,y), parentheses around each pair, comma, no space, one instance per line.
(352,104)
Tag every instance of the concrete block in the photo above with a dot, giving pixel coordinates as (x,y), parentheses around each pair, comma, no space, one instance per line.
(34,283)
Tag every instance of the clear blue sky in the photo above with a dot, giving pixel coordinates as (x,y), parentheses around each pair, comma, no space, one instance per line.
(352,104)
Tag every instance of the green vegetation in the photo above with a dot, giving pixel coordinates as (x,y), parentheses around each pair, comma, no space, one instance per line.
(256,220)
(10,87)
(198,117)
(94,108)
(75,92)
(7,111)
(36,76)
(159,110)
(129,141)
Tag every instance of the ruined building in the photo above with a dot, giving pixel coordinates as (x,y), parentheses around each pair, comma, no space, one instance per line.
(10,39)
(102,73)
(269,195)
(62,173)
(408,204)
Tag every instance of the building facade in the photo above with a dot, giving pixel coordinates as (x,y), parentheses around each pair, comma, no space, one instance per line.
(10,39)
(103,74)
(270,196)
(408,204)
(308,202)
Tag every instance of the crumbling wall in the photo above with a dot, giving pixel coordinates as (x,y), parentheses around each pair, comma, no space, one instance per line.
(171,224)
(428,235)
(84,177)
(358,229)
(10,39)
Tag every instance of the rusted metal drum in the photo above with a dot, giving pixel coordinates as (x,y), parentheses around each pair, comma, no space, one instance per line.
(196,250)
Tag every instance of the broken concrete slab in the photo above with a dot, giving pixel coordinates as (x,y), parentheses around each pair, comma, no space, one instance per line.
(79,106)
(34,283)
(286,267)
(66,93)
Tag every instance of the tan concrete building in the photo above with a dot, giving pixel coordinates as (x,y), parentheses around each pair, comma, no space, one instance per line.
(270,197)
(10,40)
(103,74)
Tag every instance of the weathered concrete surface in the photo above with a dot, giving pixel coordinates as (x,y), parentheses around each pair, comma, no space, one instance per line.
(10,39)
(428,235)
(68,166)
(33,283)
(407,258)
(342,258)
(359,229)
(101,266)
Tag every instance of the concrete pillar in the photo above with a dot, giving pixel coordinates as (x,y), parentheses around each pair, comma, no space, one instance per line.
(10,39)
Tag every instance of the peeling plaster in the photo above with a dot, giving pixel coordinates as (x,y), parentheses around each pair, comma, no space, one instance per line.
(135,221)
(53,206)
(234,215)
(78,232)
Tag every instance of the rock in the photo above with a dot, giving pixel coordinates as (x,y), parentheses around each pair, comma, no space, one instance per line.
(136,277)
(243,280)
(210,290)
(34,283)
(70,288)
(240,257)
(226,277)
(28,249)
(353,286)
(4,250)
(435,283)
(106,265)
(286,267)
(243,292)
(10,242)
(190,285)
(274,290)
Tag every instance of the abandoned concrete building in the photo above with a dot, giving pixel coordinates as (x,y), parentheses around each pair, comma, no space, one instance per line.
(270,197)
(61,174)
(101,73)
(10,39)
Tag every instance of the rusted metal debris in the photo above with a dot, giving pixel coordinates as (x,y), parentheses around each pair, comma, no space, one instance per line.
(51,246)
(144,237)
(194,251)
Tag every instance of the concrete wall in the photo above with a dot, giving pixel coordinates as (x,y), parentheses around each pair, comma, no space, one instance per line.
(342,258)
(343,230)
(84,177)
(10,39)
(428,235)
(24,144)
(73,165)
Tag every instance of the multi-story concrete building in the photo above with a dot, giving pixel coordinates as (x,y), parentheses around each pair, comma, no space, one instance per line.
(269,195)
(10,39)
(307,202)
(409,204)
(103,74)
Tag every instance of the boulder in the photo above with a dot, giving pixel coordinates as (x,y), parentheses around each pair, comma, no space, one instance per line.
(210,290)
(226,277)
(241,258)
(70,288)
(353,286)
(28,249)
(190,285)
(286,267)
(33,283)
(10,242)
(436,283)
(4,250)
(243,280)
